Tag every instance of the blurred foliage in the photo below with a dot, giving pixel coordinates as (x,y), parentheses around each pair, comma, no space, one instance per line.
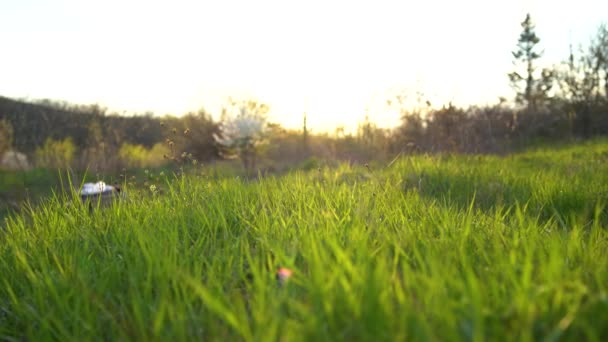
(6,136)
(243,131)
(55,153)
(137,156)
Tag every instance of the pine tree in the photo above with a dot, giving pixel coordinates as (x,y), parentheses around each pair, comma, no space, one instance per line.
(533,89)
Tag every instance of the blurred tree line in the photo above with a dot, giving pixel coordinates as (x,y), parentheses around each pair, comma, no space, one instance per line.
(58,134)
(568,100)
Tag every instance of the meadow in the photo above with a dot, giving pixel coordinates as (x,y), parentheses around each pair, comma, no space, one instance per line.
(427,247)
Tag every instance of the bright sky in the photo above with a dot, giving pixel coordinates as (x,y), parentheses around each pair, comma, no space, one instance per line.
(333,59)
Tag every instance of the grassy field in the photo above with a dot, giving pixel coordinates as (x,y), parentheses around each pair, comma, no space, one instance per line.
(32,186)
(426,248)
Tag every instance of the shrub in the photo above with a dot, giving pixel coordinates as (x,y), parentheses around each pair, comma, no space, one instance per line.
(139,156)
(6,136)
(55,153)
(243,130)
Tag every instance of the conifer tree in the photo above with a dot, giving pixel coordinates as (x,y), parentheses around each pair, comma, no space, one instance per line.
(530,89)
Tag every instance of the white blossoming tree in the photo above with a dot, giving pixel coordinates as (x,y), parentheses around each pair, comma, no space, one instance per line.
(242,130)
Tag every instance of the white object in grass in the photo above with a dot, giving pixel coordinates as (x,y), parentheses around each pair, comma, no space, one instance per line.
(90,189)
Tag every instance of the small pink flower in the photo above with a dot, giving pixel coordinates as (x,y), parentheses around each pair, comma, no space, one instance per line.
(283,274)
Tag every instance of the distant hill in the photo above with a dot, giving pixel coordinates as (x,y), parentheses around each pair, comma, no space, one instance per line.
(35,121)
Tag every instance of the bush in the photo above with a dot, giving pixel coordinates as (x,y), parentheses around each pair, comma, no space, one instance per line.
(55,153)
(6,136)
(138,156)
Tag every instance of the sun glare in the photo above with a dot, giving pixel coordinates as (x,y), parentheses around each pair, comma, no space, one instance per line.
(337,61)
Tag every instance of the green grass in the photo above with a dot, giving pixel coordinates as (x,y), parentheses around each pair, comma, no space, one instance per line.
(33,186)
(21,186)
(428,248)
